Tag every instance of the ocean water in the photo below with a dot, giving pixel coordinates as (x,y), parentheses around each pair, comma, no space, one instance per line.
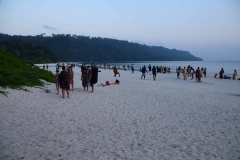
(212,67)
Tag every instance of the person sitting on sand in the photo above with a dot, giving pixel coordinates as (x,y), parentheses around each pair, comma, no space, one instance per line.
(71,76)
(234,75)
(115,71)
(57,81)
(64,81)
(216,76)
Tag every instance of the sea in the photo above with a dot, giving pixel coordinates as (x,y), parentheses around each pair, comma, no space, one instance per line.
(212,67)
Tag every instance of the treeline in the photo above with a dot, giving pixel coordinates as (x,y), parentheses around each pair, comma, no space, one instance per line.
(84,48)
(29,52)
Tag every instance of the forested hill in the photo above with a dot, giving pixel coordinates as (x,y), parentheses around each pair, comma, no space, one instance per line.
(29,52)
(83,48)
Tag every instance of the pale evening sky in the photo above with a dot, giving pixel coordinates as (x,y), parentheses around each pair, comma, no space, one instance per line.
(209,29)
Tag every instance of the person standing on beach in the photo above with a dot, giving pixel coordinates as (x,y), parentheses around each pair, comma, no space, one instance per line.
(144,70)
(71,76)
(85,77)
(234,75)
(178,70)
(115,71)
(192,72)
(197,74)
(189,71)
(150,68)
(184,73)
(132,68)
(47,66)
(90,80)
(221,73)
(57,81)
(205,72)
(64,81)
(154,72)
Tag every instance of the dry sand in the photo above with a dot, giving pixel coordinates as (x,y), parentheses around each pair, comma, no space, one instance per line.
(135,120)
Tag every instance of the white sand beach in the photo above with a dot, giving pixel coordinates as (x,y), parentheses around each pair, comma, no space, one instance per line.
(138,119)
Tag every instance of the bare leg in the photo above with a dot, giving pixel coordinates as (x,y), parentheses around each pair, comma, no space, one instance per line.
(68,93)
(63,92)
(92,89)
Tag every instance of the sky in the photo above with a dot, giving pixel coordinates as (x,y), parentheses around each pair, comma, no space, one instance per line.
(209,29)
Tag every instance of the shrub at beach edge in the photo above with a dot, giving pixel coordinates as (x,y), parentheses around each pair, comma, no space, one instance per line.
(15,73)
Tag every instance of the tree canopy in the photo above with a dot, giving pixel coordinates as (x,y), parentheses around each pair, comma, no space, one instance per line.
(29,52)
(84,48)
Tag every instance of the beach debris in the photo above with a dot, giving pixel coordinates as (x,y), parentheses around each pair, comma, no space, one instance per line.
(47,91)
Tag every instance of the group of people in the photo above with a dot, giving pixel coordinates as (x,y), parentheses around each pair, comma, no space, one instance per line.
(144,71)
(190,72)
(44,66)
(222,76)
(64,79)
(86,77)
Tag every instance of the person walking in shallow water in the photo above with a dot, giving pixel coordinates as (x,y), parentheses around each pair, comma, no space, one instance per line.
(144,70)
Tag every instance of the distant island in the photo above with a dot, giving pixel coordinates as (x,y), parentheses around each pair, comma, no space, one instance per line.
(73,48)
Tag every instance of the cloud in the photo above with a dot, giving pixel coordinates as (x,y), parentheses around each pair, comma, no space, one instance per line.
(49,27)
